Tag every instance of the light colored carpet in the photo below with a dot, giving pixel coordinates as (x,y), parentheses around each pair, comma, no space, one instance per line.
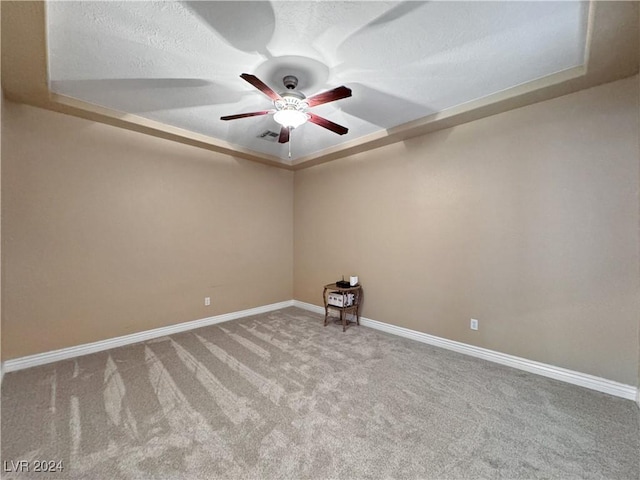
(280,396)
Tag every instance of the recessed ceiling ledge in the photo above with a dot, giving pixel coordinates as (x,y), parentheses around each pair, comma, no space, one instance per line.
(611,52)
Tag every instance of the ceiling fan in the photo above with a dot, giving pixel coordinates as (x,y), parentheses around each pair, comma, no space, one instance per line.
(291,106)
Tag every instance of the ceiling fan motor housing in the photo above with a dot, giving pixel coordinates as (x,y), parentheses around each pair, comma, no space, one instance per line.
(291,101)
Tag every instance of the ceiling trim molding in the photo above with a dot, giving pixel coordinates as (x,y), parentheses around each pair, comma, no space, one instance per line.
(499,102)
(611,53)
(101,114)
(96,113)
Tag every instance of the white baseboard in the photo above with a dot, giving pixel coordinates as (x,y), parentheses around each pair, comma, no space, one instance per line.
(576,378)
(87,348)
(558,373)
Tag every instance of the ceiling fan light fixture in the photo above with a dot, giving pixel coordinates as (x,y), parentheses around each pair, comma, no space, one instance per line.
(291,107)
(290,118)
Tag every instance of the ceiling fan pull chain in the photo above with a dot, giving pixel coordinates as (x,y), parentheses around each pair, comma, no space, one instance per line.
(289,142)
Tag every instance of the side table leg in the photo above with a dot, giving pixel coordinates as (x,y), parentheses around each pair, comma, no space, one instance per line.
(343,316)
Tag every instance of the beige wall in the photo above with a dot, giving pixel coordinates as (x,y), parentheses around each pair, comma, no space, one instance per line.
(107,232)
(527,221)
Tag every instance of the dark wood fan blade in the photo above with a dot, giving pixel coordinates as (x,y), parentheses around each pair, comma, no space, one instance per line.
(330,96)
(328,124)
(284,135)
(245,115)
(260,85)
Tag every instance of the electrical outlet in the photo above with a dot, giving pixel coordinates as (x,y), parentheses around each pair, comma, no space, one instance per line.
(474,324)
(207,301)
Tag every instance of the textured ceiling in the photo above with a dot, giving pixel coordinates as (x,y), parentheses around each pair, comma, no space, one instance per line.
(179,62)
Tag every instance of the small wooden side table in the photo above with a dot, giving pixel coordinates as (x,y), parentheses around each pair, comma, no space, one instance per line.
(354,308)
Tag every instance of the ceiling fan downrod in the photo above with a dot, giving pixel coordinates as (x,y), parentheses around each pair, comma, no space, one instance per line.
(290,82)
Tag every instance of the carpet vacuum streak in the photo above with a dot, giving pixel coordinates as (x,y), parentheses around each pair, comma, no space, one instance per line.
(280,396)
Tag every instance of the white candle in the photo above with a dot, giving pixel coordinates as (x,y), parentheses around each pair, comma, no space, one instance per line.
(353,281)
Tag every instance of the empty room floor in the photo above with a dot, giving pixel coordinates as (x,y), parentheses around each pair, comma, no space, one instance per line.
(278,395)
